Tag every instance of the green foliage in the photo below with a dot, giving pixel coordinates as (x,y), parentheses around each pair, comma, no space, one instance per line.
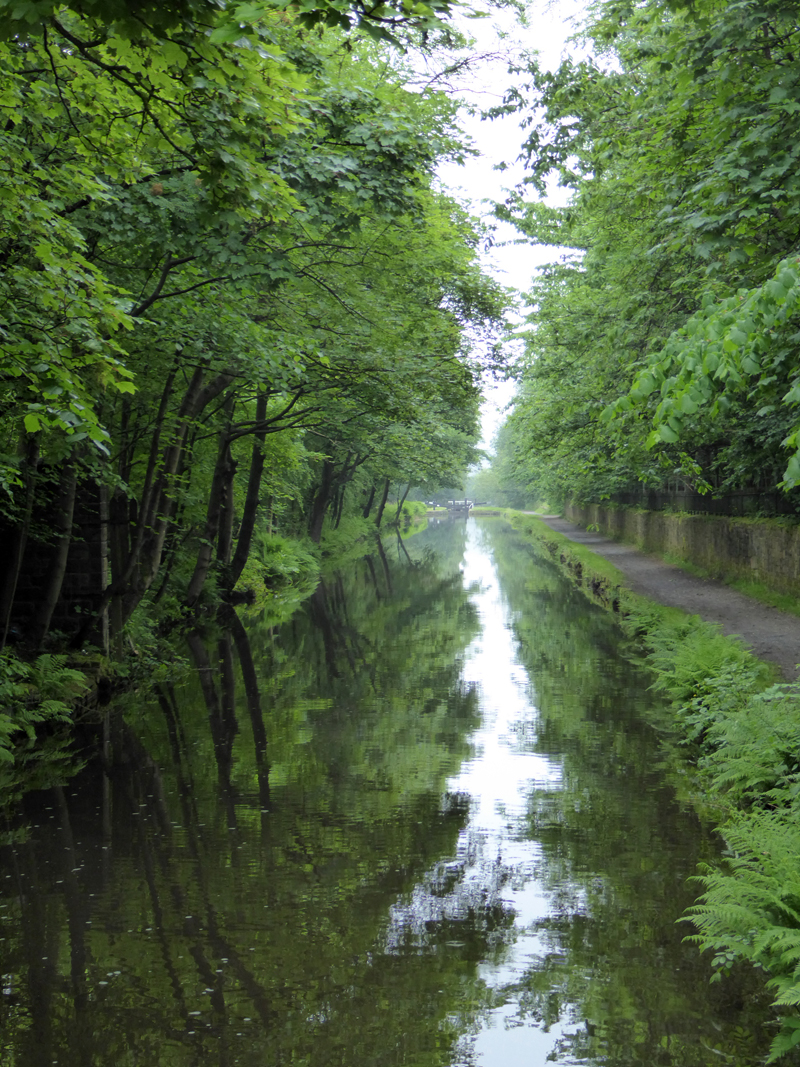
(506,482)
(235,22)
(223,250)
(412,513)
(712,669)
(662,347)
(284,561)
(33,694)
(279,575)
(352,539)
(751,910)
(745,345)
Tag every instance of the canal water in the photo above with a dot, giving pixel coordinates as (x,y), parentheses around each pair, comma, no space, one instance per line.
(427,822)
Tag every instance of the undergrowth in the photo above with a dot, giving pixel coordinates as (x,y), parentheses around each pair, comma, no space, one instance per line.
(741,731)
(32,695)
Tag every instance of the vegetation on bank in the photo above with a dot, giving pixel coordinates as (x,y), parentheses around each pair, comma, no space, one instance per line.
(43,694)
(661,344)
(739,730)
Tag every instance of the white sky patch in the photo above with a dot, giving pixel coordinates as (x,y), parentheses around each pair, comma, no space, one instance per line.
(479,183)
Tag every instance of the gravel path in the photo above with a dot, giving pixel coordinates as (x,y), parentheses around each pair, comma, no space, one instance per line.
(772,635)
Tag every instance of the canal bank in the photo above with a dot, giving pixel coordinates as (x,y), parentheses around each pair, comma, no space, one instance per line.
(771,634)
(737,727)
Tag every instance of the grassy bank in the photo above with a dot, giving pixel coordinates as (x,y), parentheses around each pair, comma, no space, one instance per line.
(740,732)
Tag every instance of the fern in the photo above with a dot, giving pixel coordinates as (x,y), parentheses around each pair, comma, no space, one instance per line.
(746,735)
(32,694)
(751,909)
(755,754)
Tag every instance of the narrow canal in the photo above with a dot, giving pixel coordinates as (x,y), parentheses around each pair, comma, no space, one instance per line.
(427,822)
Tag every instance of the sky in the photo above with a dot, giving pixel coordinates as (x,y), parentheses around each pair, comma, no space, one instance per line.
(498,141)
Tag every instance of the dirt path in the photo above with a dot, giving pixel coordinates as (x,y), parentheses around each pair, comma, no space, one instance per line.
(772,635)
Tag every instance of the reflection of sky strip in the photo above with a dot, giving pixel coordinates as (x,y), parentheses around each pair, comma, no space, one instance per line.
(499,775)
(494,861)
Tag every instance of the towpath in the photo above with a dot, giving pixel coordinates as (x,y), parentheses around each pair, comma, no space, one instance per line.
(773,635)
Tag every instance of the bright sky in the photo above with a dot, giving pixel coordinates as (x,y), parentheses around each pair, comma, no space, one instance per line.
(479,183)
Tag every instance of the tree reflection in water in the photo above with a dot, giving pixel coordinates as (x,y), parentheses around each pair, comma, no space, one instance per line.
(278,862)
(263,820)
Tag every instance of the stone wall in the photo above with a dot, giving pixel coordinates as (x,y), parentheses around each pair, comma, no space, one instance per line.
(726,548)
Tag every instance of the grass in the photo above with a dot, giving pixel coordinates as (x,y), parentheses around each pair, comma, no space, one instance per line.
(759,591)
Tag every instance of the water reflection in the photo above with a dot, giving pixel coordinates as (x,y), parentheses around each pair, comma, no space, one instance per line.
(423,823)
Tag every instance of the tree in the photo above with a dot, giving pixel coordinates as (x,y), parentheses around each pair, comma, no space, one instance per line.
(681,157)
(262,224)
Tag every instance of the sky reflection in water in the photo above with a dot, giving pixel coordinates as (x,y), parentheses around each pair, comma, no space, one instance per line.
(498,780)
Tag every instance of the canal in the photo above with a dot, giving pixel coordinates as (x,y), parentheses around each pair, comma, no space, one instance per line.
(426,822)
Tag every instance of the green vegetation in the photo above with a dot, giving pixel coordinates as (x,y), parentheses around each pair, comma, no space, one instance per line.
(661,346)
(236,303)
(31,693)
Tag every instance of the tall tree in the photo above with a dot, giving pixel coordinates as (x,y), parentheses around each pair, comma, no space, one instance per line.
(678,141)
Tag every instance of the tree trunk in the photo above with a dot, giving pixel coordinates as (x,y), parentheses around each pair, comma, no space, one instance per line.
(223,473)
(382,505)
(369,503)
(54,579)
(320,503)
(105,572)
(163,497)
(339,506)
(225,538)
(158,502)
(400,505)
(18,541)
(121,519)
(251,500)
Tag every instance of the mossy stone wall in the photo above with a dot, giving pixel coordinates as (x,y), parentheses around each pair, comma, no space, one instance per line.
(727,548)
